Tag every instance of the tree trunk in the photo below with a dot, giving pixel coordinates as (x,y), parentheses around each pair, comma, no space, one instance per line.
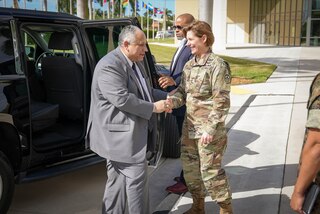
(15,4)
(45,5)
(82,7)
(70,8)
(90,9)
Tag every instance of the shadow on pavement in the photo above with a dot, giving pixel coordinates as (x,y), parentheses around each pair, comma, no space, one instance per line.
(258,178)
(239,140)
(255,204)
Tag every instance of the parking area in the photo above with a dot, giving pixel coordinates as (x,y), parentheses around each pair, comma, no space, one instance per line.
(81,191)
(76,192)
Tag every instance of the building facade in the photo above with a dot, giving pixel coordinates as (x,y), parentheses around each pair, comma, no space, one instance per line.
(274,22)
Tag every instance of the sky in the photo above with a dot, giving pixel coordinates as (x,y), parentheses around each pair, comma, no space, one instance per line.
(34,5)
(37,5)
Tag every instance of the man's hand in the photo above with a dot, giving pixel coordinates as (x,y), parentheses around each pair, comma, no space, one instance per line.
(165,81)
(162,105)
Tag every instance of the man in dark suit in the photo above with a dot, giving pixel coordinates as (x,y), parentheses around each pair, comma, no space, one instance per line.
(182,55)
(121,115)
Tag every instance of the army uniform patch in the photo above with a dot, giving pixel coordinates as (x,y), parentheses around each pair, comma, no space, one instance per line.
(227,78)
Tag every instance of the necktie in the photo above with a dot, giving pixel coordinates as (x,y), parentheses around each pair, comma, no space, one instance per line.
(150,122)
(145,96)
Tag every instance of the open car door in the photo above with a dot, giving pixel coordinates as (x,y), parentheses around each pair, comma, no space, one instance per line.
(101,37)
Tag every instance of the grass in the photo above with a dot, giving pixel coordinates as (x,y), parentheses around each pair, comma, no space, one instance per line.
(162,54)
(165,40)
(243,71)
(248,71)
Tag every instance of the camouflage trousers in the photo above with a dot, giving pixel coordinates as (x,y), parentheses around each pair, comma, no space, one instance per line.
(202,169)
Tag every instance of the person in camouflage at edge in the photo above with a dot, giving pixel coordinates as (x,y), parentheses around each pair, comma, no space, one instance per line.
(310,156)
(204,88)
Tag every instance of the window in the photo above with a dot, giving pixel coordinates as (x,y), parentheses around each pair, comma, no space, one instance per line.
(7,64)
(103,39)
(276,22)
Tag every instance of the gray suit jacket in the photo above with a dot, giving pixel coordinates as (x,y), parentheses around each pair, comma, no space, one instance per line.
(119,118)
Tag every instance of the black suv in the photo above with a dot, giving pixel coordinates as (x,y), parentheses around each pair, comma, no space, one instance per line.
(46,64)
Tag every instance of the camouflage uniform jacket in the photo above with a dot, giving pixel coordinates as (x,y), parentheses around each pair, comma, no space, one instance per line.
(205,89)
(313,120)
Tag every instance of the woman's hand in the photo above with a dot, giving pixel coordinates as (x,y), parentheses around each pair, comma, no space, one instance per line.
(296,202)
(163,106)
(206,138)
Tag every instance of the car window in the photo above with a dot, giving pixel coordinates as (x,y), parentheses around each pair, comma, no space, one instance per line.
(66,53)
(103,39)
(29,46)
(7,64)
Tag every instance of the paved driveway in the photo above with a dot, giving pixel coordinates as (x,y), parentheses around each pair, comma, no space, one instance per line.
(81,191)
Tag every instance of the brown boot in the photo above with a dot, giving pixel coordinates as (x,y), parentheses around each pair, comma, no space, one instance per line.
(226,209)
(197,206)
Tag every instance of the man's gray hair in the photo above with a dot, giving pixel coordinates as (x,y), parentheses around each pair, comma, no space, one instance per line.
(128,33)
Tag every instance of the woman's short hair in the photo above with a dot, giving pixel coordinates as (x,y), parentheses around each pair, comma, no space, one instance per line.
(200,28)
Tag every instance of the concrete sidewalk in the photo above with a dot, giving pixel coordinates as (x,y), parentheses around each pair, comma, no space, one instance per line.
(267,127)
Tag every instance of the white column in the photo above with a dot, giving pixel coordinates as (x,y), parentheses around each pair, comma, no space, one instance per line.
(205,11)
(219,24)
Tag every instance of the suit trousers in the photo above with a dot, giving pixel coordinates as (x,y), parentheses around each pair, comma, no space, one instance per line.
(126,188)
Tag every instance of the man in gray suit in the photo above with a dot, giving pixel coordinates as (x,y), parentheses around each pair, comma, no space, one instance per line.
(120,118)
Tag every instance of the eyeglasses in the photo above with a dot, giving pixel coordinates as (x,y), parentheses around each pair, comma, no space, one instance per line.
(177,27)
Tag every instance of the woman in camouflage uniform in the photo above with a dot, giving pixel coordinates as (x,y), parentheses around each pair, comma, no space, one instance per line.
(310,158)
(204,88)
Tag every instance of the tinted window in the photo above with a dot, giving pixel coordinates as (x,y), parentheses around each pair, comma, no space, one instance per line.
(103,39)
(7,64)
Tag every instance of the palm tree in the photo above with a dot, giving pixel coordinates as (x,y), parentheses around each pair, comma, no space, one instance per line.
(133,4)
(169,14)
(116,5)
(67,6)
(168,18)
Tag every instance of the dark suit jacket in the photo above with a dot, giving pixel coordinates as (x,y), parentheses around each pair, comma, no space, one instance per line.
(119,119)
(176,72)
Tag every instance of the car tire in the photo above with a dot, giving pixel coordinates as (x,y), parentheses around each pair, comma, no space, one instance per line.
(172,144)
(6,184)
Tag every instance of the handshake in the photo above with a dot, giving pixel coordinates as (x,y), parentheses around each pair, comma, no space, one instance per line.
(163,106)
